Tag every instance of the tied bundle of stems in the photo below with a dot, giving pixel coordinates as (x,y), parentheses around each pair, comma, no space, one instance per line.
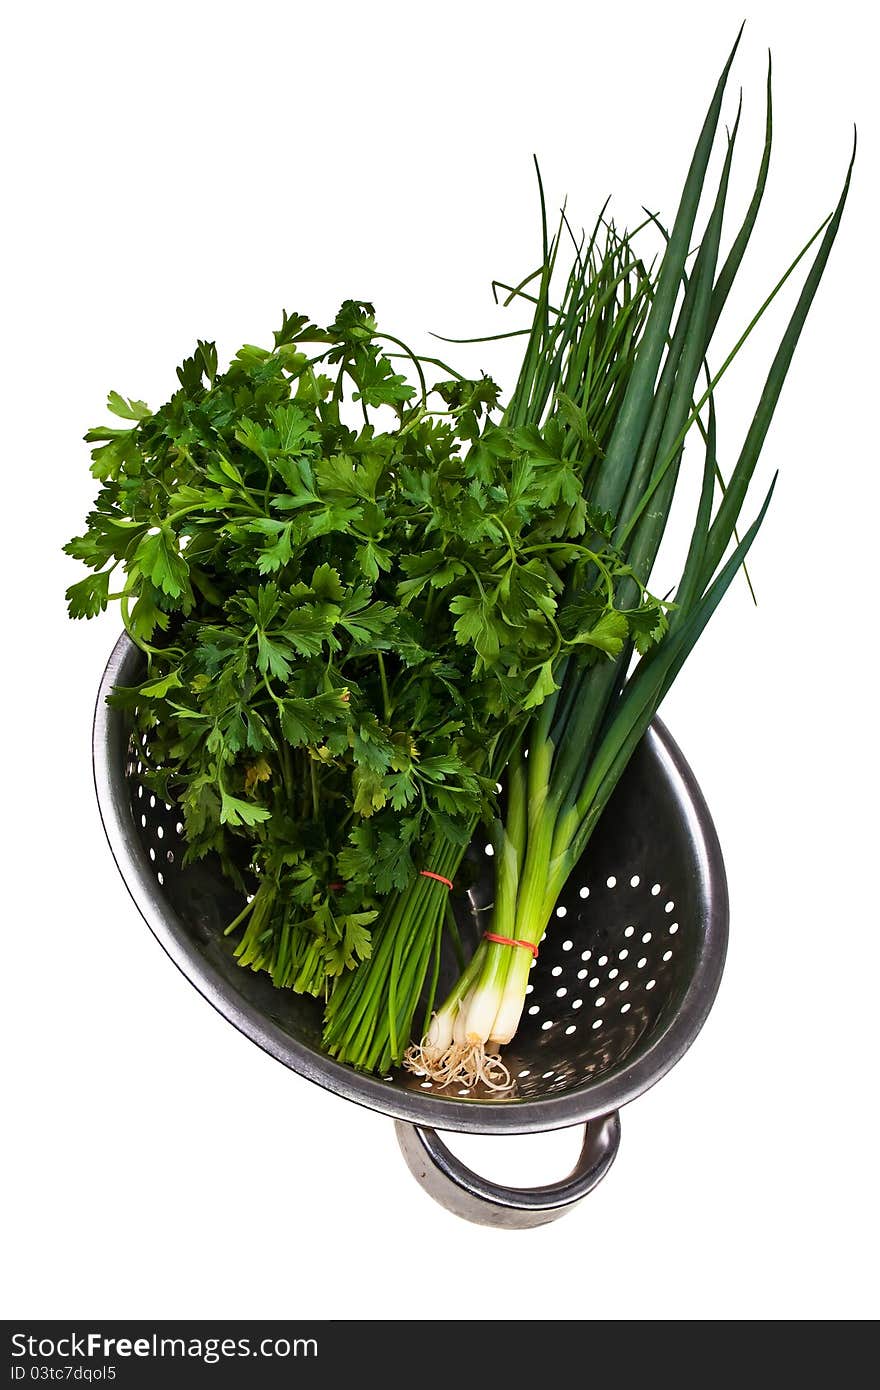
(579,359)
(564,765)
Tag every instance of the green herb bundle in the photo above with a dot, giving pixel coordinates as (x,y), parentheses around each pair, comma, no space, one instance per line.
(368,592)
(345,627)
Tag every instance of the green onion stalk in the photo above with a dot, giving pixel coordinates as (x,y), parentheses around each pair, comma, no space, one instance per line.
(585,733)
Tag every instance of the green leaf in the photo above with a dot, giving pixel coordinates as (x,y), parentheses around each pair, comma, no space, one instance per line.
(646,625)
(330,518)
(128,410)
(229,470)
(277,555)
(291,327)
(355,859)
(338,474)
(256,439)
(601,521)
(308,720)
(558,482)
(372,746)
(402,789)
(476,625)
(432,567)
(268,603)
(157,690)
(366,622)
(112,458)
(608,634)
(370,794)
(272,657)
(576,419)
(308,629)
(146,615)
(326,583)
(355,322)
(543,685)
(234,811)
(379,385)
(158,558)
(294,429)
(354,944)
(193,370)
(372,558)
(88,597)
(522,590)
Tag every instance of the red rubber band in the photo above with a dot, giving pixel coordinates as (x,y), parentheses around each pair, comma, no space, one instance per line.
(428,873)
(509,941)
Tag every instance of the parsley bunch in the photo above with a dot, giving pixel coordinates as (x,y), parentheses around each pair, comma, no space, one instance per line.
(351,591)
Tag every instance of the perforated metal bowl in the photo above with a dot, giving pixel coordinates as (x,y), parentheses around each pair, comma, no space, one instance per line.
(624,981)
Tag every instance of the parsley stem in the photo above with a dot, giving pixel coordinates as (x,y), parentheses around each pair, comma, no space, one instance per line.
(183,511)
(389,338)
(278,701)
(468,566)
(509,539)
(146,647)
(237,921)
(286,765)
(313,778)
(386,698)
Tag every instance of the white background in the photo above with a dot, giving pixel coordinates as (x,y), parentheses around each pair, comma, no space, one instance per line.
(185,169)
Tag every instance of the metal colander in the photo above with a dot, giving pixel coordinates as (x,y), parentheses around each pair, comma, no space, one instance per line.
(622,985)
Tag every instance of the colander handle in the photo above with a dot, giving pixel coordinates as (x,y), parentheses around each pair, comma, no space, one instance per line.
(466,1194)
